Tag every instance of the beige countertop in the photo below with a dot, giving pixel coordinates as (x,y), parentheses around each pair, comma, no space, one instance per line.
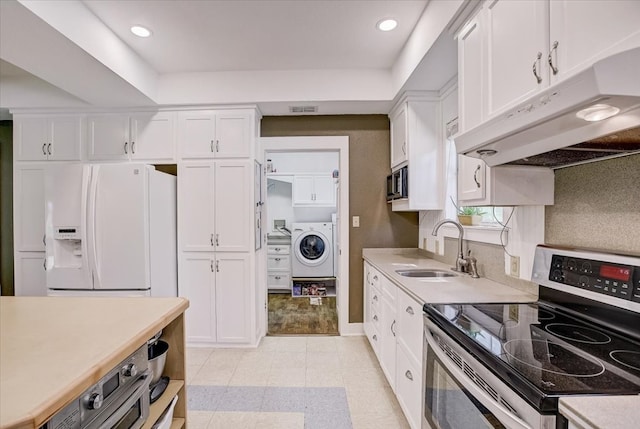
(442,290)
(54,348)
(602,412)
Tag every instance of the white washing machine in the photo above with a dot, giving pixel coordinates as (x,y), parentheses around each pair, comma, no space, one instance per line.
(312,246)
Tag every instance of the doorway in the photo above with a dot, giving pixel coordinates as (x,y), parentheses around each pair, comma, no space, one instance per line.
(306,256)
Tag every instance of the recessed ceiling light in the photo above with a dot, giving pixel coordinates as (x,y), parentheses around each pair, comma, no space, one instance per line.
(140,31)
(387,24)
(597,112)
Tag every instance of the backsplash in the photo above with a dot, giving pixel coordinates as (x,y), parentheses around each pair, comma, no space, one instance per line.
(597,205)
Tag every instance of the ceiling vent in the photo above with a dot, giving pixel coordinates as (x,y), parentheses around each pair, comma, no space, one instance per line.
(303,109)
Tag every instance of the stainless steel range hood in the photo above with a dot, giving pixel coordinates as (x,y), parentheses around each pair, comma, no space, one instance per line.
(545,130)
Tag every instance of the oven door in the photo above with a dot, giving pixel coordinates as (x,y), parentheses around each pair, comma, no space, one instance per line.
(472,398)
(129,412)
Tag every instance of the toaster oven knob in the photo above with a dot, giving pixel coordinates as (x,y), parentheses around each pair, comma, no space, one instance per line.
(130,370)
(95,401)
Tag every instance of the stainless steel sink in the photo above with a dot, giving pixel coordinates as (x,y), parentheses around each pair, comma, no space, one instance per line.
(425,273)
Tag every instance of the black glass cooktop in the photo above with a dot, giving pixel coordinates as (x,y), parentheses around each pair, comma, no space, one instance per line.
(543,351)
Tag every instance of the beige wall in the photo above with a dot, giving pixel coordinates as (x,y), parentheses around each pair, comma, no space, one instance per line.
(597,205)
(368,169)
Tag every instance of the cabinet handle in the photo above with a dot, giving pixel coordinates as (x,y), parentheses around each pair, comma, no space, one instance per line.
(44,264)
(535,68)
(211,265)
(217,240)
(375,317)
(375,297)
(554,47)
(410,310)
(475,176)
(368,277)
(277,277)
(277,259)
(217,266)
(408,375)
(375,278)
(375,337)
(404,148)
(44,241)
(133,147)
(392,331)
(44,149)
(277,249)
(211,146)
(126,148)
(211,239)
(49,148)
(217,146)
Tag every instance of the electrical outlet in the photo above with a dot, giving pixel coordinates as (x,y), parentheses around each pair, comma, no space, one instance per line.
(437,247)
(515,266)
(356,221)
(424,243)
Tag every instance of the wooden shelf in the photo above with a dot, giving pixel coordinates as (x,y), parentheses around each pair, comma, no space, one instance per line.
(163,402)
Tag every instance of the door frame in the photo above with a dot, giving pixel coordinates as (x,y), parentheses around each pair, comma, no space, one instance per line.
(338,144)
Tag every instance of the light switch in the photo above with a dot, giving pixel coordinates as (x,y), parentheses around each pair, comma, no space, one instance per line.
(356,222)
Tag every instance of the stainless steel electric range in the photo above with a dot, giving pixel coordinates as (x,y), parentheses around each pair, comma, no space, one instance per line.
(507,365)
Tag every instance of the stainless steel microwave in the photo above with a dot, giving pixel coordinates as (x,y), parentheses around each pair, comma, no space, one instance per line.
(397,184)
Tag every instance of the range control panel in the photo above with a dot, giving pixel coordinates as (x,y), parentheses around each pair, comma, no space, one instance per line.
(621,281)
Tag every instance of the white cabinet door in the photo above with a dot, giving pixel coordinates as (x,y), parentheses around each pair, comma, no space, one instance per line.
(324,191)
(586,31)
(108,137)
(388,327)
(232,298)
(471,73)
(517,31)
(197,134)
(233,139)
(152,136)
(197,274)
(399,137)
(196,206)
(233,206)
(29,208)
(471,179)
(410,325)
(30,275)
(302,190)
(409,387)
(56,138)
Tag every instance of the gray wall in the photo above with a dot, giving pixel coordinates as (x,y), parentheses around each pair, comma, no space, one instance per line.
(368,169)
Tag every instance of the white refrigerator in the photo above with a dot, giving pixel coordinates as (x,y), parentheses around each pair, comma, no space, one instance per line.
(110,230)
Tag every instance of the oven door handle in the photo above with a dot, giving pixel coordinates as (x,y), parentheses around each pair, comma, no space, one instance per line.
(141,389)
(502,414)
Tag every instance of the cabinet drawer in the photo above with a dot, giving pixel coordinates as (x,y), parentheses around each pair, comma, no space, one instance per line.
(374,277)
(278,249)
(409,388)
(375,300)
(410,325)
(278,280)
(279,262)
(374,340)
(389,289)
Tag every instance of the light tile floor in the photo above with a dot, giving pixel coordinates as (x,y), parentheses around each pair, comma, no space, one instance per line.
(291,383)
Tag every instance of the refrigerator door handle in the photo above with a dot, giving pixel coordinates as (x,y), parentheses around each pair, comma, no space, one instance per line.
(92,222)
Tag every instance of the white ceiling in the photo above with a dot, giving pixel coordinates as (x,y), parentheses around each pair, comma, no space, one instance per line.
(273,53)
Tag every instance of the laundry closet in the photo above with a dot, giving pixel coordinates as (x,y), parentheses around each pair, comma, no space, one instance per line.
(302,263)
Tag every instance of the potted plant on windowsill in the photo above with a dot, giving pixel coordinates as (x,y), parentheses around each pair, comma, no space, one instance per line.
(470,215)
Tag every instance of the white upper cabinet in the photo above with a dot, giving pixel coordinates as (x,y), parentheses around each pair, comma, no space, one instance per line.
(215,206)
(137,136)
(423,149)
(517,40)
(398,125)
(314,190)
(55,138)
(215,134)
(585,31)
(513,49)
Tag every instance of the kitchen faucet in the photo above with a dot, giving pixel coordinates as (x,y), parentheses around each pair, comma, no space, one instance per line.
(463,265)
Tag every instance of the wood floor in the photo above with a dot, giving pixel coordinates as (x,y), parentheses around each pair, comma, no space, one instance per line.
(297,316)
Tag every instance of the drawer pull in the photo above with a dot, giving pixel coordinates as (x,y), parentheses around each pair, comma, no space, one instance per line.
(375,297)
(375,278)
(375,317)
(375,337)
(410,310)
(277,259)
(408,375)
(392,331)
(277,277)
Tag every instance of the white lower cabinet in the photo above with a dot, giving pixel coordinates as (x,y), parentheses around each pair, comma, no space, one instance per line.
(394,327)
(218,288)
(30,275)
(409,386)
